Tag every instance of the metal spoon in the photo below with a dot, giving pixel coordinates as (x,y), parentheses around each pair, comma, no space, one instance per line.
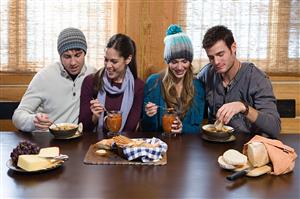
(102,106)
(163,108)
(55,125)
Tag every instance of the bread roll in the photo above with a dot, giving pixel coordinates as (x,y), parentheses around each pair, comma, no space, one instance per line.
(257,154)
(224,165)
(242,167)
(105,144)
(234,157)
(259,171)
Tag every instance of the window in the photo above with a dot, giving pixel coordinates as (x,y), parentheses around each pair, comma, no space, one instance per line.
(294,33)
(267,32)
(3,33)
(29,30)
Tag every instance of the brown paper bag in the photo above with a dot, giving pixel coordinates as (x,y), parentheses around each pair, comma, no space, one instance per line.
(282,156)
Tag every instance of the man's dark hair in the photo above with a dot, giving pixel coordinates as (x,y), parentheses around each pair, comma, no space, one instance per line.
(215,34)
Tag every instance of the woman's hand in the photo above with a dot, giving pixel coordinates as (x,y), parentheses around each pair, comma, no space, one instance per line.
(97,108)
(151,109)
(42,122)
(176,126)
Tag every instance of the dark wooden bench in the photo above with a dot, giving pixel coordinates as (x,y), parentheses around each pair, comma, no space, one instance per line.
(286,108)
(7,109)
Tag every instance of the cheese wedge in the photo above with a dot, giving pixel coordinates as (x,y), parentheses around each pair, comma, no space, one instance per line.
(32,162)
(49,152)
(257,154)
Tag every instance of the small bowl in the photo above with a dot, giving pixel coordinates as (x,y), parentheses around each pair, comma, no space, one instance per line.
(63,130)
(210,132)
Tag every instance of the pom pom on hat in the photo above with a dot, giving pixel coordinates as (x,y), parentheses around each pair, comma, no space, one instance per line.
(177,44)
(173,29)
(71,38)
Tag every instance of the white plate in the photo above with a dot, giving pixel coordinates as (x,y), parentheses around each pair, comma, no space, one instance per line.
(76,135)
(10,165)
(230,139)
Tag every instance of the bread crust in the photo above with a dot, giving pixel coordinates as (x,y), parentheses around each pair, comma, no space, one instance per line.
(234,157)
(224,165)
(257,154)
(105,144)
(259,171)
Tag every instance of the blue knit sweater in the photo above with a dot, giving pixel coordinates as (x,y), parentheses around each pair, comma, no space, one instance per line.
(192,121)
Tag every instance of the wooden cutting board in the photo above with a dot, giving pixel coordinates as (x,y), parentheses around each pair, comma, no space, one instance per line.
(91,157)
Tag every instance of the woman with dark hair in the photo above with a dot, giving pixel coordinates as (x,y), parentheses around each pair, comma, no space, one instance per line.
(114,87)
(174,88)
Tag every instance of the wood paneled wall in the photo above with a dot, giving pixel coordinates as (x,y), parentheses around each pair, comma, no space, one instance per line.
(288,87)
(146,22)
(12,88)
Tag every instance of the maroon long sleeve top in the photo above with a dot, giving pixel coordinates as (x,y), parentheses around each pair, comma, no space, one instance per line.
(112,102)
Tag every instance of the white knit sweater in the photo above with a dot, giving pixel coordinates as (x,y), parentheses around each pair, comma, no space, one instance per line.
(51,91)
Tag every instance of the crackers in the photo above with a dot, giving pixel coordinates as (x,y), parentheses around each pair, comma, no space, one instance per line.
(123,141)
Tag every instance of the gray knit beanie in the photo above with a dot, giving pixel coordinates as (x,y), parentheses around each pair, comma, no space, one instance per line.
(177,44)
(71,38)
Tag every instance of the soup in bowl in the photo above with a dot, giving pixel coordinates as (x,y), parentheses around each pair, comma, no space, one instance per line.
(63,130)
(210,131)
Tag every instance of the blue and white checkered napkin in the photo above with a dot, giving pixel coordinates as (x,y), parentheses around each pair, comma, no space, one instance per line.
(147,154)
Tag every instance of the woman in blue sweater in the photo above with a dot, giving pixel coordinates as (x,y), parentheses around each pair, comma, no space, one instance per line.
(175,88)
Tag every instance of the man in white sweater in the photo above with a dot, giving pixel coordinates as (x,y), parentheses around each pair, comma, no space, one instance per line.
(54,92)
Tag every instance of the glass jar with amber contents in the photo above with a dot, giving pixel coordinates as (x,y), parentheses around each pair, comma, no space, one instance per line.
(113,122)
(168,118)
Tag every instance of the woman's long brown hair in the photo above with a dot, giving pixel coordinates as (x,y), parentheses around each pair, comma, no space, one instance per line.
(170,94)
(125,46)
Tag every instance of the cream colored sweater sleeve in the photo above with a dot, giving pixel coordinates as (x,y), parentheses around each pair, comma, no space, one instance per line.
(26,111)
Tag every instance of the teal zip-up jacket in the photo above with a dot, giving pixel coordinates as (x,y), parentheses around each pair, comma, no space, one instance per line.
(192,121)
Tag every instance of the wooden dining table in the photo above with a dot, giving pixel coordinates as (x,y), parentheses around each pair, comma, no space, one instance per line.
(191,171)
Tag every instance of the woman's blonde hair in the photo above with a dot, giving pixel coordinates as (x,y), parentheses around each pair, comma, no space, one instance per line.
(170,94)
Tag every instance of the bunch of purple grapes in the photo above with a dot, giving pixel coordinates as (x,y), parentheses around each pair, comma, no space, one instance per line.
(23,148)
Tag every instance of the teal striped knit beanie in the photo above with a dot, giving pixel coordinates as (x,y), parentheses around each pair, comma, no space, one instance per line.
(71,38)
(177,44)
